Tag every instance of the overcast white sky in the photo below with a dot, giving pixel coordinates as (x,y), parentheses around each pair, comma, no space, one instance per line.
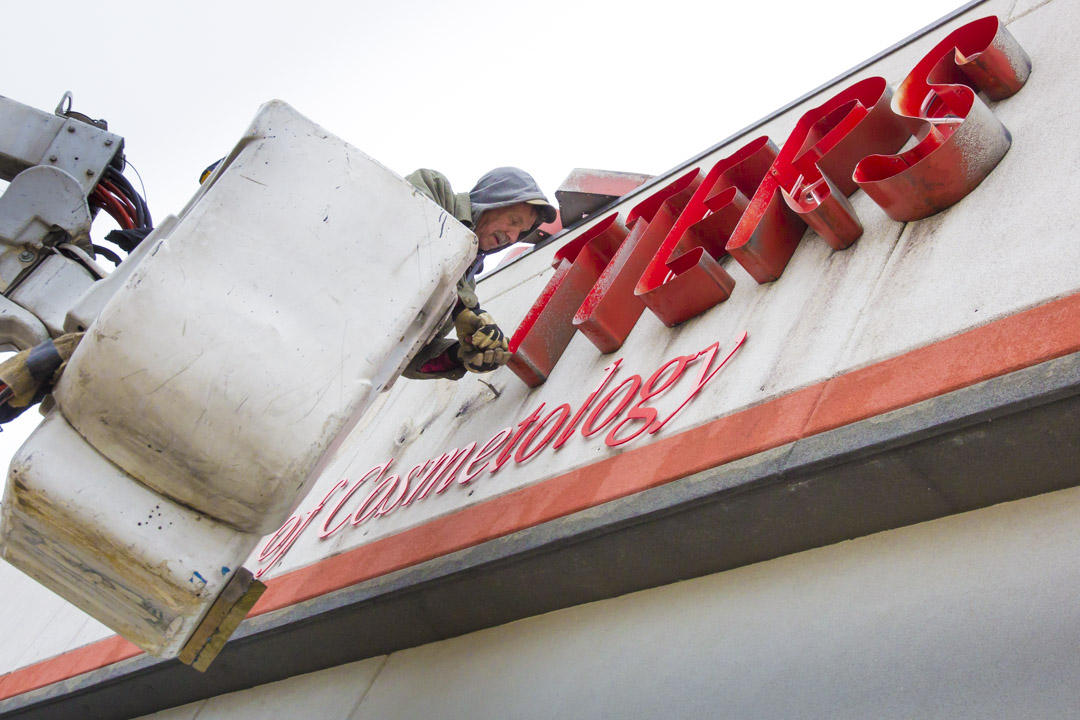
(457,86)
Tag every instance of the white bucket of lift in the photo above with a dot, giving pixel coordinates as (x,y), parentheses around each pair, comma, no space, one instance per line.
(256,330)
(137,562)
(294,287)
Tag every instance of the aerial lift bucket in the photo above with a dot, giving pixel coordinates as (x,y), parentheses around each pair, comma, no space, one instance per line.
(218,373)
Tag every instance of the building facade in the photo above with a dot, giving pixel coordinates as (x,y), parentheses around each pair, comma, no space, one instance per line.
(846,489)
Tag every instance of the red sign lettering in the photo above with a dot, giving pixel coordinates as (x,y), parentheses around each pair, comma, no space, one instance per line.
(961,140)
(756,204)
(279,544)
(489,449)
(624,404)
(378,470)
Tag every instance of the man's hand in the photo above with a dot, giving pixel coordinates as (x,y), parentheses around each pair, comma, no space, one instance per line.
(483,361)
(482,346)
(476,329)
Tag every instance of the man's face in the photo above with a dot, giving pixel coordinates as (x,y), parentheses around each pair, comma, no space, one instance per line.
(503,226)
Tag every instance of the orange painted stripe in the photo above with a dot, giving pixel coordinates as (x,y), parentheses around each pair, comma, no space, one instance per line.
(758,428)
(1001,347)
(62,667)
(998,348)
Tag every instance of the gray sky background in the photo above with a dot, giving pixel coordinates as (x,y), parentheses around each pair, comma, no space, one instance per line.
(460,87)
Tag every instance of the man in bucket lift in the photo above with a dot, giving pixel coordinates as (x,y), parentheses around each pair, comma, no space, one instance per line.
(506,204)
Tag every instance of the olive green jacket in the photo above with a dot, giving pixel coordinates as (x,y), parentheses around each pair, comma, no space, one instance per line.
(437,187)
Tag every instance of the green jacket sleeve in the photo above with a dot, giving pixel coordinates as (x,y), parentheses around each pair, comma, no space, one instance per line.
(435,185)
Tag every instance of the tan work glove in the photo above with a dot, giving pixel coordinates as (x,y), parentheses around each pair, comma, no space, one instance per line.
(483,361)
(477,330)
